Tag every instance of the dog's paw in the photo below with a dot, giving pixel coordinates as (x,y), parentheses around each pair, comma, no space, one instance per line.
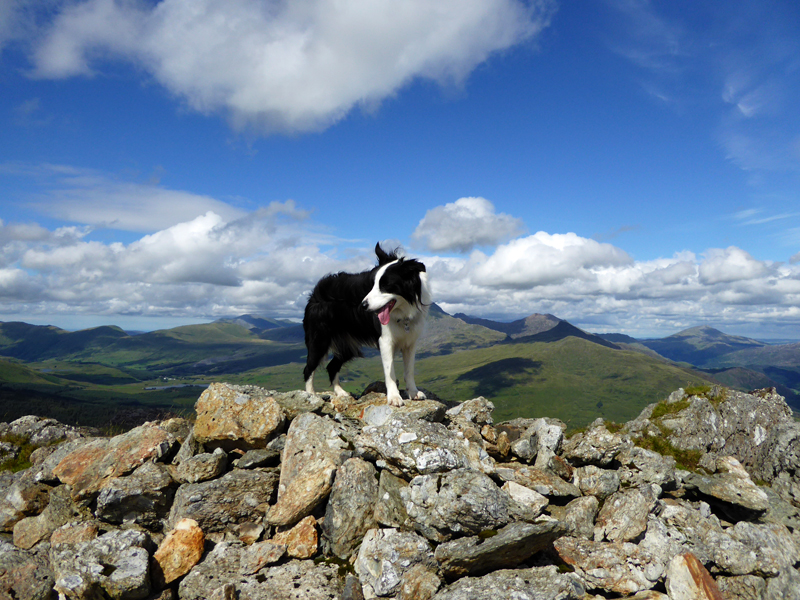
(395,401)
(420,395)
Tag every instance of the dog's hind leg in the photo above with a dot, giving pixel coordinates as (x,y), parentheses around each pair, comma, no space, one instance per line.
(314,358)
(333,371)
(387,358)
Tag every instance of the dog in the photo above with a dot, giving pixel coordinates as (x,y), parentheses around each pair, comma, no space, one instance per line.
(384,308)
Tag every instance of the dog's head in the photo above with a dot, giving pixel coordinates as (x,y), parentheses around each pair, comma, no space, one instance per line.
(400,285)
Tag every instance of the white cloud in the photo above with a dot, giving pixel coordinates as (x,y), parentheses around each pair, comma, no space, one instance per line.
(287,66)
(729,265)
(463,224)
(543,259)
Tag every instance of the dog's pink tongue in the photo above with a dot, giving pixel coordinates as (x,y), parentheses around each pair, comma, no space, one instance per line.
(383,315)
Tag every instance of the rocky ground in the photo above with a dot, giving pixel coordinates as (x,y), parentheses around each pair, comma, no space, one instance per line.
(294,496)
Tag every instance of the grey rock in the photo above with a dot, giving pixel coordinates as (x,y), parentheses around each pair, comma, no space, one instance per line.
(619,567)
(188,449)
(594,481)
(310,441)
(416,446)
(118,563)
(596,446)
(385,556)
(477,411)
(778,457)
(351,508)
(219,505)
(639,466)
(202,467)
(579,516)
(143,497)
(526,504)
(623,517)
(40,431)
(24,575)
(772,544)
(260,457)
(462,501)
(294,580)
(297,402)
(60,510)
(734,493)
(786,586)
(501,549)
(390,509)
(742,587)
(538,583)
(539,480)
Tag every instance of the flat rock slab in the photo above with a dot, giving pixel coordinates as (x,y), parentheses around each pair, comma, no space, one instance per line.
(91,466)
(538,583)
(503,549)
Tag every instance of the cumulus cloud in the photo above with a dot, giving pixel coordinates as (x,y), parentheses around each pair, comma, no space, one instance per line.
(286,66)
(731,264)
(464,224)
(543,259)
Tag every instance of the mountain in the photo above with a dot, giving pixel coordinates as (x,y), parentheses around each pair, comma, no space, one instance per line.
(530,325)
(258,323)
(700,345)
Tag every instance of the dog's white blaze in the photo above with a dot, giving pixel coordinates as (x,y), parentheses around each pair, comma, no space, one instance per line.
(376,299)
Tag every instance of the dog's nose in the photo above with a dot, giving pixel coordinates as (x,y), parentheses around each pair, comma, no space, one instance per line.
(365,305)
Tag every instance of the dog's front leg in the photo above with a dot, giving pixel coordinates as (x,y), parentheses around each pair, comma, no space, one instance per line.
(387,357)
(409,354)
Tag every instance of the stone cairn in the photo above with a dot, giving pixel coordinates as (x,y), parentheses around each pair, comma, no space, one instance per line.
(296,496)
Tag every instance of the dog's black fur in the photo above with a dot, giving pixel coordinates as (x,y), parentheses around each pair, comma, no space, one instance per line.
(338,316)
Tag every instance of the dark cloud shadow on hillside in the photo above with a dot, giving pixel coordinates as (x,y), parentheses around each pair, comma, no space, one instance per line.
(500,374)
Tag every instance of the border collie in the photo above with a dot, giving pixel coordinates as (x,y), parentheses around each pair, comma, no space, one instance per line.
(383,308)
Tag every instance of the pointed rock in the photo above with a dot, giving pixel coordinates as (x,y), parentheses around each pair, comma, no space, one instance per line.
(180,550)
(688,579)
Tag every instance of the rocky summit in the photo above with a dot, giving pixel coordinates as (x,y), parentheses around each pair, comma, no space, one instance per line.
(268,495)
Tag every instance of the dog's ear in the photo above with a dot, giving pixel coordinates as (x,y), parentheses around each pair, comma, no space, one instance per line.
(415,265)
(384,257)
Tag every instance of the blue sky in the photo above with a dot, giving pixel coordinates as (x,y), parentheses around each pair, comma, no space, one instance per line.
(628,165)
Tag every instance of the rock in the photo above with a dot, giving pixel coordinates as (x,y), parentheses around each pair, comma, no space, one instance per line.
(297,402)
(93,465)
(202,467)
(623,517)
(143,497)
(639,466)
(60,511)
(477,411)
(687,579)
(619,567)
(579,517)
(294,580)
(40,431)
(786,586)
(74,533)
(390,509)
(237,416)
(594,481)
(351,509)
(259,555)
(301,541)
(731,491)
(249,533)
(419,583)
(260,457)
(596,446)
(772,544)
(533,502)
(742,587)
(462,501)
(494,550)
(24,575)
(415,446)
(219,505)
(386,555)
(303,493)
(180,550)
(314,450)
(538,583)
(118,563)
(380,413)
(543,482)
